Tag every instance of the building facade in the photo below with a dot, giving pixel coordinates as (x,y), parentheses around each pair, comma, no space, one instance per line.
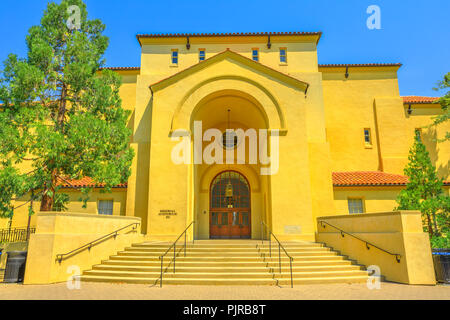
(305,140)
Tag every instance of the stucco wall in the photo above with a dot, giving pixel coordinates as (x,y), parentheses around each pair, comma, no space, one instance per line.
(60,233)
(396,232)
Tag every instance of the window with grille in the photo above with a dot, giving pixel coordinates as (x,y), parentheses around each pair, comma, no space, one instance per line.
(283,55)
(201,55)
(255,55)
(367,136)
(105,207)
(355,206)
(418,133)
(174,56)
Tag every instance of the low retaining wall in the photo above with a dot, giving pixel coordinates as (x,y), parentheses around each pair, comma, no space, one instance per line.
(398,232)
(59,233)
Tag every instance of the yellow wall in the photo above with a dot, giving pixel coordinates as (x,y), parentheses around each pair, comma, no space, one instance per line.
(369,98)
(59,233)
(118,195)
(396,232)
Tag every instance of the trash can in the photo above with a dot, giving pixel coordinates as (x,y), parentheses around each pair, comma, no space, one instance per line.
(15,266)
(441,260)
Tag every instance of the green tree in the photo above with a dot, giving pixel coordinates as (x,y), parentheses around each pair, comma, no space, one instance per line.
(424,191)
(60,116)
(444,101)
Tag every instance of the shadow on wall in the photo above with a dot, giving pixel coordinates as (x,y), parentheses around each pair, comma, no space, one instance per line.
(432,145)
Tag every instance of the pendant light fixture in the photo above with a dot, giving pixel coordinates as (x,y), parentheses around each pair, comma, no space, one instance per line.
(229,187)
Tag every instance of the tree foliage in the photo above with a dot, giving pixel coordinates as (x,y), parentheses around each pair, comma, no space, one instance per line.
(424,193)
(444,101)
(60,116)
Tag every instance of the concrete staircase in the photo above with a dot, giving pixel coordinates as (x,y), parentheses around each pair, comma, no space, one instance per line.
(227,262)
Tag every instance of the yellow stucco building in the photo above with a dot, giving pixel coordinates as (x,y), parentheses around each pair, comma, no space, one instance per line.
(338,137)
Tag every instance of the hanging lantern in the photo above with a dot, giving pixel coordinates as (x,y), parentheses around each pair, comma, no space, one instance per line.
(229,190)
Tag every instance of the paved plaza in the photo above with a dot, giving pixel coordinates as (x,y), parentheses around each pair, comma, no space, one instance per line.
(100,291)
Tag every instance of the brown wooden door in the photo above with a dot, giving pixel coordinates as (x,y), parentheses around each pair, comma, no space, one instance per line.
(230,207)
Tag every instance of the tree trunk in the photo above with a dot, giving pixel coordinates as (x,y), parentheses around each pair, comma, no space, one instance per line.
(46,203)
(430,226)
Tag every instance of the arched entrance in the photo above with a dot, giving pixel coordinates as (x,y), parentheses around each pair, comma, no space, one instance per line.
(230,214)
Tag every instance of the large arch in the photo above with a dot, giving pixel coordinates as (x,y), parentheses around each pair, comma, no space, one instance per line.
(252,90)
(213,106)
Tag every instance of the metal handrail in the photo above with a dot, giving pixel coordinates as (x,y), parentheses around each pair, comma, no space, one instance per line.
(280,246)
(396,255)
(175,254)
(89,245)
(16,234)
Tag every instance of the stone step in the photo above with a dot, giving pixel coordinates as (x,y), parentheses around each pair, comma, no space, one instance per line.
(213,264)
(204,282)
(226,282)
(165,246)
(227,262)
(251,254)
(226,258)
(169,274)
(226,269)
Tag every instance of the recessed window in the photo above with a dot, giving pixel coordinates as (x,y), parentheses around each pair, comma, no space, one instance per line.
(201,55)
(367,136)
(418,134)
(355,206)
(283,55)
(174,56)
(105,207)
(255,55)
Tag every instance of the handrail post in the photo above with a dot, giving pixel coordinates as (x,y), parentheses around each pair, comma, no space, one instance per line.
(279,256)
(292,281)
(162,262)
(185,244)
(270,245)
(262,235)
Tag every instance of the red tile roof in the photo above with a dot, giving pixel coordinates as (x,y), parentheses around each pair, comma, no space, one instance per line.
(84,182)
(360,65)
(369,178)
(227,34)
(120,68)
(340,179)
(418,99)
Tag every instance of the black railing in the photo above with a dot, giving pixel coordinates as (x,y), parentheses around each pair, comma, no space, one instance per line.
(280,246)
(175,253)
(368,244)
(16,234)
(89,245)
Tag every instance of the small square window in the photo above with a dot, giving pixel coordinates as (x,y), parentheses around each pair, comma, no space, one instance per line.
(255,55)
(367,136)
(418,134)
(201,55)
(283,55)
(355,206)
(174,56)
(105,207)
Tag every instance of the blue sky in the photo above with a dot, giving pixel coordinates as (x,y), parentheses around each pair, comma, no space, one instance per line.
(413,32)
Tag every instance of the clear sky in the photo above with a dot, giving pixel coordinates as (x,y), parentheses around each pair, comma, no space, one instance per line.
(415,33)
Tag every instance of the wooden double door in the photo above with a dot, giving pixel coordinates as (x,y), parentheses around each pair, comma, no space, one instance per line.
(230,214)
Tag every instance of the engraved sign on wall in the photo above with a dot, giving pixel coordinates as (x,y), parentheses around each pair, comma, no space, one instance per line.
(167,213)
(292,230)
